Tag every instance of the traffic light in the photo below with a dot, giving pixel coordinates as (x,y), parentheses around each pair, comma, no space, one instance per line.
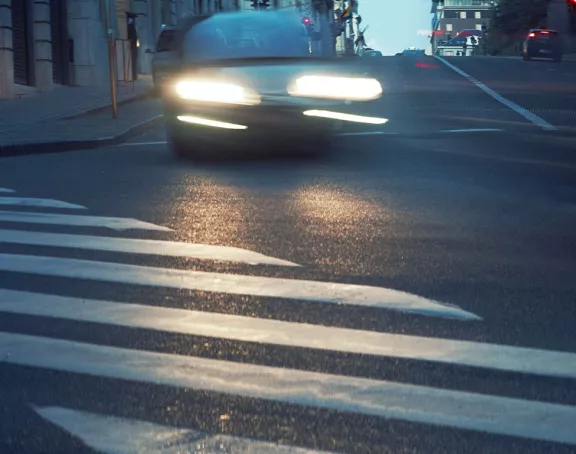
(307,22)
(265,4)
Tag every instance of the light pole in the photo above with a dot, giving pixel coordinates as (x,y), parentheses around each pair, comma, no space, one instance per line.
(111,59)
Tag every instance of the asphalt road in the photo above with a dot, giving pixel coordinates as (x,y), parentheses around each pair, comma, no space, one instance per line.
(110,342)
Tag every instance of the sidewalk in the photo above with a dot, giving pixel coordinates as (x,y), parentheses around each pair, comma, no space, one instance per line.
(75,117)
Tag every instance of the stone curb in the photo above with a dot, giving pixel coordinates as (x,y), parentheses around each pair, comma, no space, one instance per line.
(79,144)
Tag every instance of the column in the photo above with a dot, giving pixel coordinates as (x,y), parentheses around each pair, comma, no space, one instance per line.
(6,57)
(86,28)
(42,45)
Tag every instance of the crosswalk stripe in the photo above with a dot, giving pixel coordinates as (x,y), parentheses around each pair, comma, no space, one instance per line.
(322,292)
(7,190)
(41,203)
(79,221)
(114,435)
(274,332)
(400,401)
(137,246)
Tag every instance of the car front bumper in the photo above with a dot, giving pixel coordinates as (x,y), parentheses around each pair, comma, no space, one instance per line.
(234,125)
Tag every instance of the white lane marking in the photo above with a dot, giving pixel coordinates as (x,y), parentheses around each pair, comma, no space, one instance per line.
(473,130)
(274,332)
(6,190)
(114,435)
(501,99)
(321,292)
(44,203)
(420,404)
(137,246)
(79,221)
(132,144)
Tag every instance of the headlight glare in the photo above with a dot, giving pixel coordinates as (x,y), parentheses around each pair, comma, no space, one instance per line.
(219,92)
(345,88)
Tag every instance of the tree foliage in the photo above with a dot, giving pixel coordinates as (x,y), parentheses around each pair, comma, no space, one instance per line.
(519,16)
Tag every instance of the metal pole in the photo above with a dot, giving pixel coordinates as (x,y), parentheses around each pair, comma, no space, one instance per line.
(111,62)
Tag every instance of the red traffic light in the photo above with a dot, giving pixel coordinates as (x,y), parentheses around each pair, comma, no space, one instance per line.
(306,21)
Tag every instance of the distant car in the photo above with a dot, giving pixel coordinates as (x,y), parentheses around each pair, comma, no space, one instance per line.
(414,53)
(248,81)
(542,44)
(372,53)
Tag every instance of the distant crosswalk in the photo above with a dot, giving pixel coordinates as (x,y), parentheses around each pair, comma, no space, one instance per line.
(457,409)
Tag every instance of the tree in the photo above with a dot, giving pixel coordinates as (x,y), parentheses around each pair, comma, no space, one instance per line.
(518,16)
(512,20)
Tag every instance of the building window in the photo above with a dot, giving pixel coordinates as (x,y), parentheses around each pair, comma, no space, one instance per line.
(477,15)
(478,26)
(462,14)
(448,27)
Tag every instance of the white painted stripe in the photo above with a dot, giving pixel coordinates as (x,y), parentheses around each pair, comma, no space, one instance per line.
(473,130)
(113,435)
(137,246)
(133,144)
(44,203)
(7,190)
(321,292)
(420,404)
(274,332)
(501,99)
(369,133)
(79,221)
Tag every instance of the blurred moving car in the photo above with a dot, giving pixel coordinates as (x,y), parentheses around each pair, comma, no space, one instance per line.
(249,80)
(542,44)
(167,54)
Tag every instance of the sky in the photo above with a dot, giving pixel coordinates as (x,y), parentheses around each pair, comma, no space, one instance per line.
(396,24)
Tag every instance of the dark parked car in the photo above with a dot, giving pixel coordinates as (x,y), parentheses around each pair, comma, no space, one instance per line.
(542,44)
(164,56)
(250,80)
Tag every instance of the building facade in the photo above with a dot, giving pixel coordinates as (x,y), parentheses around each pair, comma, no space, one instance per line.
(451,17)
(44,43)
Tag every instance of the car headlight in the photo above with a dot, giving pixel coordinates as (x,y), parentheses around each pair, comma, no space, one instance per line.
(345,88)
(220,92)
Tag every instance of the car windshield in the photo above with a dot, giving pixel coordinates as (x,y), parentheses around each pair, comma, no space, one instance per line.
(246,35)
